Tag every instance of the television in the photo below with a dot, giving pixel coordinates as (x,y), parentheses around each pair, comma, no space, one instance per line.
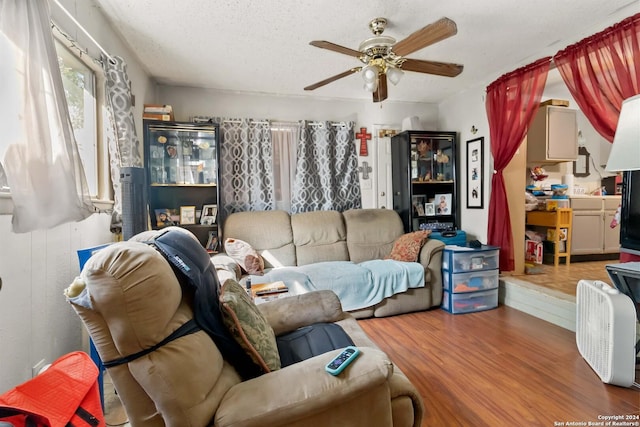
(630,212)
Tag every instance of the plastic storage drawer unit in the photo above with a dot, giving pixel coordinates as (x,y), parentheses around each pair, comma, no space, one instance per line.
(470,282)
(470,302)
(458,259)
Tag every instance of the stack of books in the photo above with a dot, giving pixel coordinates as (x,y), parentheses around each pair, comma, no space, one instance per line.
(158,112)
(263,292)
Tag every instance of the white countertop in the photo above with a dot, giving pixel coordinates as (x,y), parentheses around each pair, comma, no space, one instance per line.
(588,196)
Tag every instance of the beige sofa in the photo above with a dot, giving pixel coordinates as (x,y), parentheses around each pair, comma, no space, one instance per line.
(355,235)
(136,301)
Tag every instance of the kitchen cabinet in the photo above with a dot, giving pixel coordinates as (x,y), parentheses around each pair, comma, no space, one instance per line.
(553,135)
(592,233)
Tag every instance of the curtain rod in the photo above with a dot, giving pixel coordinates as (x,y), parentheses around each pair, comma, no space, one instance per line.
(113,61)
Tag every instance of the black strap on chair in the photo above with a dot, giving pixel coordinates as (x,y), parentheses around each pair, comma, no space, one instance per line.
(187,328)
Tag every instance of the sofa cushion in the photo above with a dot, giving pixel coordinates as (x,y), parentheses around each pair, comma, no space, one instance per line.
(244,255)
(371,233)
(248,326)
(407,247)
(319,236)
(268,232)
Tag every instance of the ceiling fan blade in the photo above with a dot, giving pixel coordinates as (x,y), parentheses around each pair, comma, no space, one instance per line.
(432,67)
(335,47)
(426,36)
(332,79)
(381,92)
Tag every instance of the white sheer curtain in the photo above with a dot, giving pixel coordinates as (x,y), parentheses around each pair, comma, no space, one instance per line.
(284,137)
(42,162)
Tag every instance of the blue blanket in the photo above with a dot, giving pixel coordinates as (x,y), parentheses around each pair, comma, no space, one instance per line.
(357,285)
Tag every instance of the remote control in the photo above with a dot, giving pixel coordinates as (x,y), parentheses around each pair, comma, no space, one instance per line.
(341,361)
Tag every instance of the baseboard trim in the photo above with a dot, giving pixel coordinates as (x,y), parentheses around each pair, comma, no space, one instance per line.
(546,304)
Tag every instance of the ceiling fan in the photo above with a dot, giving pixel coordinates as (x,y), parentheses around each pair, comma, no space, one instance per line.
(385,59)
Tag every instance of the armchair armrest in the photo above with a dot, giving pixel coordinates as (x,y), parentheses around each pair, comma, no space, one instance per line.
(290,313)
(305,389)
(429,250)
(431,259)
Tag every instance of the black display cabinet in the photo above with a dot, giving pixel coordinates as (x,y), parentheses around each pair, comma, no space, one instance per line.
(182,166)
(425,180)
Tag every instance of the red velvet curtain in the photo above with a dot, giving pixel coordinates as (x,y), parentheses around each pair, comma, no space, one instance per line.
(512,102)
(603,70)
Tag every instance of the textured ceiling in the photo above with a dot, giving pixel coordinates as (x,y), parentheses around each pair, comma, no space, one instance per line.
(262,46)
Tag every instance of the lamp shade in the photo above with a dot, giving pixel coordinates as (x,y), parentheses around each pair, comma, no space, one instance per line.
(625,151)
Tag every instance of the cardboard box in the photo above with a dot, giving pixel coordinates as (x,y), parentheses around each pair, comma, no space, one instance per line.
(551,234)
(533,251)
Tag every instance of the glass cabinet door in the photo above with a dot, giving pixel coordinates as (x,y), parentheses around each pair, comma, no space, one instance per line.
(431,159)
(182,156)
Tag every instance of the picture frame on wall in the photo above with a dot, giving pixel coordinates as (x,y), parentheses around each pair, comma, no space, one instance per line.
(475,173)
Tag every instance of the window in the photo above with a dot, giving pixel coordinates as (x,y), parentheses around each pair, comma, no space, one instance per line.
(80,84)
(80,89)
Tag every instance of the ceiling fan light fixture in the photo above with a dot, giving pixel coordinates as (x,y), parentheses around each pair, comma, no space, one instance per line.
(394,75)
(370,74)
(371,86)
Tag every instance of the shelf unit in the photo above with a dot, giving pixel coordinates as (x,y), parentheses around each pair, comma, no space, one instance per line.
(423,172)
(556,220)
(182,166)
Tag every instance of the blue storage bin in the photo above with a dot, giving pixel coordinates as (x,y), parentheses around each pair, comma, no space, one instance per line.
(459,239)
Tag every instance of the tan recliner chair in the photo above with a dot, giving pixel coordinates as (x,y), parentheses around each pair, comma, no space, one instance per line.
(132,300)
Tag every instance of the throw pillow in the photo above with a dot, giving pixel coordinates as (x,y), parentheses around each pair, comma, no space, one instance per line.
(242,253)
(248,326)
(407,247)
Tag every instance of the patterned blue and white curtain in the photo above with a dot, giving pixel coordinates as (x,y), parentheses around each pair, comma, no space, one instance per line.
(327,169)
(246,162)
(122,139)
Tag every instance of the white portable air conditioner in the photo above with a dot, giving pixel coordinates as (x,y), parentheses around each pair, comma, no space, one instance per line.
(606,331)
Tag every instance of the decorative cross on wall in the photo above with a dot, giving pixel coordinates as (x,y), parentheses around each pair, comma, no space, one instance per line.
(364,170)
(363,136)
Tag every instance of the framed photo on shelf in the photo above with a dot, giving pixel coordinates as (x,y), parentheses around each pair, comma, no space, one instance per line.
(163,218)
(187,215)
(212,242)
(475,173)
(209,214)
(443,204)
(429,209)
(418,202)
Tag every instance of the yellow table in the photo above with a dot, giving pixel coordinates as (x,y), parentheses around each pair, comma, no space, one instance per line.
(558,219)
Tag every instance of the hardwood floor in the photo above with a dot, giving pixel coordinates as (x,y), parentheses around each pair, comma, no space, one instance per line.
(497,368)
(564,278)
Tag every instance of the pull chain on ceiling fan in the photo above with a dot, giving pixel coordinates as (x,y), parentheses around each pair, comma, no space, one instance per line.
(384,59)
